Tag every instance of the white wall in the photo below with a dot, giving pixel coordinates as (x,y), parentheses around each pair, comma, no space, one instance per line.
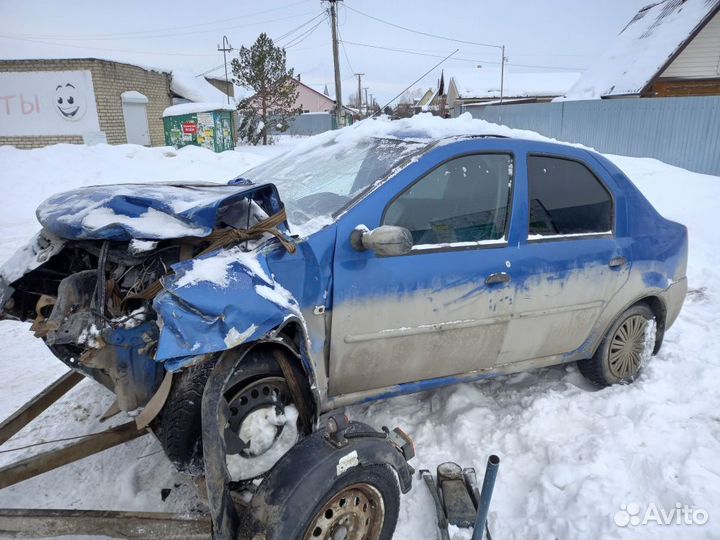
(701,58)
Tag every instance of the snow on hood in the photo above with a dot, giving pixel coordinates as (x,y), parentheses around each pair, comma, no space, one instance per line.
(146,211)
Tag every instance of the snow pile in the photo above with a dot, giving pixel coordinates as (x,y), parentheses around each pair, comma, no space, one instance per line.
(642,48)
(263,427)
(195,88)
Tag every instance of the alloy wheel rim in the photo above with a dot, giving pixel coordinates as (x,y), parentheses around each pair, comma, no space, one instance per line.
(357,512)
(627,347)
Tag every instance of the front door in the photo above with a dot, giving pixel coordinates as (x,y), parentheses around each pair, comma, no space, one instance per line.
(134,107)
(440,310)
(570,263)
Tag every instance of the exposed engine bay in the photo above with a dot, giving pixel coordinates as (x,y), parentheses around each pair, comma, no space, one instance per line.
(91,301)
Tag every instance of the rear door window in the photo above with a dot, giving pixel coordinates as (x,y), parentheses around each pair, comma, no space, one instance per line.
(566,199)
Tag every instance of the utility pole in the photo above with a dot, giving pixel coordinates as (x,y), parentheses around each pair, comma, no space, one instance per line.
(502,73)
(366,100)
(226,48)
(336,62)
(358,75)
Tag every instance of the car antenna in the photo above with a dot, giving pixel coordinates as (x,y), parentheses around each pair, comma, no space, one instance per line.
(415,82)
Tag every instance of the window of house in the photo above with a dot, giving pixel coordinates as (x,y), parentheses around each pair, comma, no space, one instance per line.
(566,198)
(463,200)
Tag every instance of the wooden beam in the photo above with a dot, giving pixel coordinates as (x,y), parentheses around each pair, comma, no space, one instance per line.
(52,459)
(33,523)
(33,408)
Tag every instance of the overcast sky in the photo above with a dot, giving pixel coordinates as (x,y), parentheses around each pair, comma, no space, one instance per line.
(540,35)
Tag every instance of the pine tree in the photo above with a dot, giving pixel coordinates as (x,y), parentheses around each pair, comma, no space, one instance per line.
(262,69)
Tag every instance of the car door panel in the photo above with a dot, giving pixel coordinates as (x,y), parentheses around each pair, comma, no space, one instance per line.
(419,316)
(563,281)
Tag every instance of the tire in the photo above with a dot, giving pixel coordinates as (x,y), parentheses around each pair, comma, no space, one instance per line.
(626,338)
(373,482)
(179,426)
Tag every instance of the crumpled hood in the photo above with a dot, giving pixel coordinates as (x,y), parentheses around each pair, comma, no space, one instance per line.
(147,211)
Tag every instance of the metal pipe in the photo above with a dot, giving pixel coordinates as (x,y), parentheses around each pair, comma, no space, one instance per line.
(485,496)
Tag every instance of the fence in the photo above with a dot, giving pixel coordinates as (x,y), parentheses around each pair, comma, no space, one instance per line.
(680,131)
(311,124)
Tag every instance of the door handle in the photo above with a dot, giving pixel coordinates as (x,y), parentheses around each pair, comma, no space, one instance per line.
(616,262)
(497,277)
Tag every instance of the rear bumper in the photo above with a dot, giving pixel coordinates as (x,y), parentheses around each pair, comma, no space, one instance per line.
(674,296)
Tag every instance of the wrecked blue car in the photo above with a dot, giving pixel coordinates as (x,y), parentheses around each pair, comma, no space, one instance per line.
(350,269)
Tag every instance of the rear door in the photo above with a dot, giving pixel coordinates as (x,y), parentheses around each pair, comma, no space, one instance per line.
(430,313)
(570,263)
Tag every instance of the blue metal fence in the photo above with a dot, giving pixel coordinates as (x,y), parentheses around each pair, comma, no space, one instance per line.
(680,131)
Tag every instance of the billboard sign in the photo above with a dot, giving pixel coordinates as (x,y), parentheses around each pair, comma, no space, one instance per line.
(47,103)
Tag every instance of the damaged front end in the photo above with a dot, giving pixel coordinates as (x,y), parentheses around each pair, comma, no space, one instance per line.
(90,280)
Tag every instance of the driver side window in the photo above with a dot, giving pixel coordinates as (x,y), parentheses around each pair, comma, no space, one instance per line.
(464,200)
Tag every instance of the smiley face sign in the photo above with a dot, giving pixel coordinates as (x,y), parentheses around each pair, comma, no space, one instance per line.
(70,103)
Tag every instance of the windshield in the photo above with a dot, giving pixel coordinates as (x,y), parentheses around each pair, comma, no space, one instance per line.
(318,181)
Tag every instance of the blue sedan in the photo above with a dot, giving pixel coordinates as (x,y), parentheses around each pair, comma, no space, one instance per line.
(349,270)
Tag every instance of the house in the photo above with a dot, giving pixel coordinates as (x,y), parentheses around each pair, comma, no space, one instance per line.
(76,100)
(477,86)
(669,48)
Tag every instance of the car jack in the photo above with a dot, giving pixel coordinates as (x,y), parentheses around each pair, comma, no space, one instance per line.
(457,499)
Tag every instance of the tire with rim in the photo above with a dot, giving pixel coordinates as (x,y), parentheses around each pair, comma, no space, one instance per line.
(257,383)
(362,503)
(620,356)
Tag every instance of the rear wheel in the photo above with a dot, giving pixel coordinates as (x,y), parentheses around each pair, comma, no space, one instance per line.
(624,350)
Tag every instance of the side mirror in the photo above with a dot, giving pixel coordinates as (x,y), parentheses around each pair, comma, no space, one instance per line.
(386,240)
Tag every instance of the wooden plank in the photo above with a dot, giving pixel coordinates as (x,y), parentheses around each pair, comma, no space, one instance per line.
(33,408)
(33,523)
(52,459)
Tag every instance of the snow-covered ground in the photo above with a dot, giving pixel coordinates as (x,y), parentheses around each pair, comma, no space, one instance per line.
(571,456)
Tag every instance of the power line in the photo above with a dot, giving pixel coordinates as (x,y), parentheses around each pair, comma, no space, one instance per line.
(141,33)
(104,48)
(473,60)
(347,58)
(302,37)
(225,29)
(416,81)
(289,32)
(423,33)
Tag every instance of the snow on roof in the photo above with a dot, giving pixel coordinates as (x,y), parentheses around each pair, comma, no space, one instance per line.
(478,84)
(643,48)
(195,88)
(192,107)
(78,58)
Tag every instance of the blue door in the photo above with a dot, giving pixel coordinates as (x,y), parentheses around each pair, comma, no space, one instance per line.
(570,262)
(443,308)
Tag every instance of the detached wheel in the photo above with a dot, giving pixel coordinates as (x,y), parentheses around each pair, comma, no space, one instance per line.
(361,504)
(623,352)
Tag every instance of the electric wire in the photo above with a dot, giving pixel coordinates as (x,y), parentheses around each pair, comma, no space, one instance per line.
(150,33)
